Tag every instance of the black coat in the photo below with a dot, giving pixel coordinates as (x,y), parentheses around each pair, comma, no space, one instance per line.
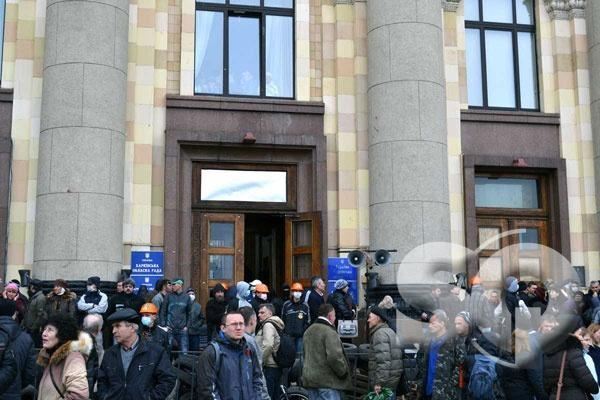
(149,377)
(17,369)
(124,300)
(214,312)
(577,378)
(314,301)
(523,383)
(343,305)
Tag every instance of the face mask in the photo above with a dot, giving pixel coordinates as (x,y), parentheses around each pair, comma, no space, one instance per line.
(90,288)
(193,297)
(61,291)
(147,321)
(262,296)
(248,295)
(297,295)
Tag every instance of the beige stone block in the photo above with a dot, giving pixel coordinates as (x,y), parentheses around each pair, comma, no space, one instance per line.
(345,48)
(347,199)
(327,14)
(15,253)
(344,12)
(348,218)
(346,143)
(347,179)
(348,238)
(16,233)
(347,162)
(574,225)
(590,203)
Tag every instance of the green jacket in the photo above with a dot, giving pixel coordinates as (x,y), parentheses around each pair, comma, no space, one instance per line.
(325,364)
(385,357)
(36,312)
(450,356)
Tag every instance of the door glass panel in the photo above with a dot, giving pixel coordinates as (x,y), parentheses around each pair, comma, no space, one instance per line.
(527,70)
(529,269)
(524,12)
(302,266)
(506,192)
(474,82)
(279,58)
(209,52)
(471,10)
(302,236)
(221,234)
(529,239)
(490,269)
(487,233)
(244,54)
(500,68)
(497,11)
(220,267)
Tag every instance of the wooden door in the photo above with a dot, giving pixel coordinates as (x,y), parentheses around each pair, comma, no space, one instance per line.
(302,248)
(494,263)
(527,249)
(222,251)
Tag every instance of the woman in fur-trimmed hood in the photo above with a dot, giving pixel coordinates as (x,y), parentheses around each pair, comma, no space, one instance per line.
(63,356)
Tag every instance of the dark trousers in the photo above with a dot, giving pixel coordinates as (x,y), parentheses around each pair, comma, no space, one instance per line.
(273,378)
(194,341)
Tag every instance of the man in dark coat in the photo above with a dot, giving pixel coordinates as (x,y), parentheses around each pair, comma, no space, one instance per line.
(176,314)
(133,368)
(342,302)
(125,299)
(36,312)
(315,297)
(61,300)
(215,309)
(296,316)
(229,369)
(17,363)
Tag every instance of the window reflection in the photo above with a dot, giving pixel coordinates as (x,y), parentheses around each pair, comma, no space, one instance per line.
(524,12)
(244,67)
(279,75)
(500,69)
(527,70)
(474,81)
(209,52)
(238,185)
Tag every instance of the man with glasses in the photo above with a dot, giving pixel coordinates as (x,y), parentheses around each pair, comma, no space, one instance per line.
(229,368)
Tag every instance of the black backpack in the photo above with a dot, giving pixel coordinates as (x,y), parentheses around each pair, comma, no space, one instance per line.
(285,356)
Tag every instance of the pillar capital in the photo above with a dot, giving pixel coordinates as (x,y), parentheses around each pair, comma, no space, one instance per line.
(450,5)
(565,9)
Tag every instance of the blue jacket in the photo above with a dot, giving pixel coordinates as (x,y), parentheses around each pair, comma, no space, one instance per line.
(149,377)
(237,378)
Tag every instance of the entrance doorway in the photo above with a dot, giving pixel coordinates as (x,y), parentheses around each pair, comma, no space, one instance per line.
(274,248)
(264,239)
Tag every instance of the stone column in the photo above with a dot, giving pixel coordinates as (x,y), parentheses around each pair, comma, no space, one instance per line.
(79,210)
(408,161)
(593,35)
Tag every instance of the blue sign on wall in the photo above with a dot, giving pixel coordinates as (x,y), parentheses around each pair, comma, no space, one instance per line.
(340,268)
(146,268)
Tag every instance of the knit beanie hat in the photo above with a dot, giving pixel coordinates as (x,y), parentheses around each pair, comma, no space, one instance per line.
(512,284)
(12,286)
(340,284)
(466,316)
(380,312)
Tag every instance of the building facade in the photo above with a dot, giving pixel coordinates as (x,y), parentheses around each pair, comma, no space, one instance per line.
(255,138)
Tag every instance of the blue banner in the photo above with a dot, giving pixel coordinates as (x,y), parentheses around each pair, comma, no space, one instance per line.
(340,268)
(146,268)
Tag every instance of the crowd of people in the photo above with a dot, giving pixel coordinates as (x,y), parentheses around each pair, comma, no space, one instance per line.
(531,340)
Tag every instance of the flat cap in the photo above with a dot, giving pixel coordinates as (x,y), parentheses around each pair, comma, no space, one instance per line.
(124,314)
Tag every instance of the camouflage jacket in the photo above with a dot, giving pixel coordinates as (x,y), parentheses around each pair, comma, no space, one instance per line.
(451,356)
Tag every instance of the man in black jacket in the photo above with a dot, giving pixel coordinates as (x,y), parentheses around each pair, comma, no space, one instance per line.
(133,368)
(315,296)
(296,316)
(17,358)
(342,302)
(215,309)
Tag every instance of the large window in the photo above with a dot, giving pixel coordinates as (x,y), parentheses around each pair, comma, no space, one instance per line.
(245,48)
(501,55)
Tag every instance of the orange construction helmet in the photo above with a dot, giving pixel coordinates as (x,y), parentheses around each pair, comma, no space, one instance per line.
(149,308)
(297,287)
(262,288)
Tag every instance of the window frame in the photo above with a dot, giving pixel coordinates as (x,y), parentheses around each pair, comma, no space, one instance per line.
(260,12)
(514,28)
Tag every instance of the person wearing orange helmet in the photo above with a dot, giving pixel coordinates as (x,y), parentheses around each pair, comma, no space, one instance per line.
(149,329)
(296,315)
(261,296)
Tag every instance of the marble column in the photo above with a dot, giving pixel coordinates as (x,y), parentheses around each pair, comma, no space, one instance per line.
(408,161)
(79,208)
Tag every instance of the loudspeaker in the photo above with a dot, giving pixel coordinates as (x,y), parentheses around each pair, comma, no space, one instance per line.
(356,258)
(382,257)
